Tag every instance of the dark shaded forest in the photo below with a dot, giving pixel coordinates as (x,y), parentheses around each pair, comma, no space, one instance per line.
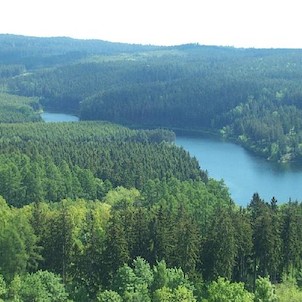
(96,211)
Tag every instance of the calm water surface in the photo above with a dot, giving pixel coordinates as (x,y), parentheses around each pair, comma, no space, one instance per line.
(58,117)
(243,172)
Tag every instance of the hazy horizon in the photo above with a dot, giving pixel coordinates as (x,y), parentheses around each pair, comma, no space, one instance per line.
(172,45)
(233,23)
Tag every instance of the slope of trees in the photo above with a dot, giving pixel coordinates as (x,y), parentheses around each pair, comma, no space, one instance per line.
(16,109)
(34,52)
(252,95)
(40,161)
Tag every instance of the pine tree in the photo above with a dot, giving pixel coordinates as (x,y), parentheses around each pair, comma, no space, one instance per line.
(116,251)
(188,241)
(291,235)
(220,249)
(244,242)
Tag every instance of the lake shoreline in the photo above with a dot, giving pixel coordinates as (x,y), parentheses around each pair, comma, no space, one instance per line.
(243,171)
(196,132)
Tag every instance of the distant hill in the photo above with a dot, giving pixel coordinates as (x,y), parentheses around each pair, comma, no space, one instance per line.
(38,51)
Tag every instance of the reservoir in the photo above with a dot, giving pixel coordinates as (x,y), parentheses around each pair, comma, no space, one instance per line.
(58,117)
(243,172)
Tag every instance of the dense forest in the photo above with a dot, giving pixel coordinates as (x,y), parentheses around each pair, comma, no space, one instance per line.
(51,162)
(170,241)
(96,211)
(252,96)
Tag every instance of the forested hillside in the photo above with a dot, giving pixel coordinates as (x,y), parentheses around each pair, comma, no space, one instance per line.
(16,109)
(32,52)
(250,95)
(51,162)
(95,211)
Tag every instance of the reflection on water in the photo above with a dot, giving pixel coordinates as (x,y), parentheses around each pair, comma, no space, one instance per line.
(243,172)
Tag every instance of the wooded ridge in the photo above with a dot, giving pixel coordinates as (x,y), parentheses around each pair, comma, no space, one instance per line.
(250,95)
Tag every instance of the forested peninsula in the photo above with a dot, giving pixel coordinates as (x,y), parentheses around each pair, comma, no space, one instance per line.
(106,210)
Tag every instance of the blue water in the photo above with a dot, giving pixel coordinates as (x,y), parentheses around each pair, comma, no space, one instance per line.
(243,172)
(49,117)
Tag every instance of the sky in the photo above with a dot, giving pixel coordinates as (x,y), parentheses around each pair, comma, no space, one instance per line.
(238,23)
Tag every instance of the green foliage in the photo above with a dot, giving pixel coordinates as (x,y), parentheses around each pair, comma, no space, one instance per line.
(51,162)
(143,272)
(39,286)
(199,199)
(3,288)
(96,247)
(109,296)
(171,278)
(223,290)
(265,291)
(116,251)
(14,288)
(266,227)
(133,284)
(244,243)
(291,234)
(180,294)
(141,283)
(11,70)
(18,243)
(268,126)
(16,109)
(122,197)
(163,294)
(288,291)
(220,248)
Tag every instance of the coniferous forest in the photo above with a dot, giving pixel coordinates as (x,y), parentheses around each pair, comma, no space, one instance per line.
(109,208)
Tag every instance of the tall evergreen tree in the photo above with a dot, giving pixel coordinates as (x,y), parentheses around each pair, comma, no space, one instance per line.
(244,242)
(291,235)
(266,238)
(188,241)
(220,249)
(116,252)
